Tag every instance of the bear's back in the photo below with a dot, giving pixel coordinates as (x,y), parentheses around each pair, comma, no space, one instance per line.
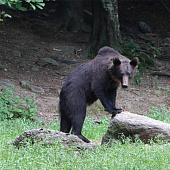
(110,53)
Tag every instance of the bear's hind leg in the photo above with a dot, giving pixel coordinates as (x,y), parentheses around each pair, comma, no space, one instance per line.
(77,122)
(77,131)
(83,138)
(65,125)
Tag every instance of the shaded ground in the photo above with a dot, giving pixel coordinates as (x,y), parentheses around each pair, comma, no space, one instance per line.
(23,41)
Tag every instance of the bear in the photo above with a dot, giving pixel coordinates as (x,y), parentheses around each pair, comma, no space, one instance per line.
(98,78)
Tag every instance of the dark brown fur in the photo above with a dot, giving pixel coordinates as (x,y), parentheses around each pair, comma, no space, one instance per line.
(96,79)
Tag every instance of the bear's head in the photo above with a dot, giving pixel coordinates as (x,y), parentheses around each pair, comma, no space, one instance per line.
(124,71)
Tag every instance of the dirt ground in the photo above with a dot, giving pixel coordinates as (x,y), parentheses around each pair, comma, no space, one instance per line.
(23,41)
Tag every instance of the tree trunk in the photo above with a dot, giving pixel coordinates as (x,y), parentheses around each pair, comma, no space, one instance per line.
(105,25)
(132,125)
(71,15)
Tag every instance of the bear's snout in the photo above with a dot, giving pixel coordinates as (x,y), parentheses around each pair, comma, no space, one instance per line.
(125,82)
(124,86)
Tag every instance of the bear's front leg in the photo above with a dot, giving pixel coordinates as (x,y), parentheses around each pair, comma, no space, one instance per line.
(104,99)
(112,96)
(100,89)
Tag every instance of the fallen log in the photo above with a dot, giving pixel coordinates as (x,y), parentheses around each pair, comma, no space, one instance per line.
(132,125)
(50,137)
(161,73)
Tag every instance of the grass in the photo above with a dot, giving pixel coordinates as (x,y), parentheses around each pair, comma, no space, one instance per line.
(119,156)
(159,113)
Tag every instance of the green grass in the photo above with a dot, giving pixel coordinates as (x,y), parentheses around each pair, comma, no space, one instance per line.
(119,156)
(127,156)
(159,113)
(93,130)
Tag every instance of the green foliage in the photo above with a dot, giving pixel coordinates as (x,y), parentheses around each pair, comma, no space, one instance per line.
(159,113)
(155,49)
(132,47)
(12,106)
(132,50)
(155,81)
(137,79)
(18,4)
(2,13)
(145,59)
(1,66)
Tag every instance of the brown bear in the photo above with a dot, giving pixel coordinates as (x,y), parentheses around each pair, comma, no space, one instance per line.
(95,79)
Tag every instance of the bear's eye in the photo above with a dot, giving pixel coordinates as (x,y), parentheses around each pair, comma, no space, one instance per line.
(121,74)
(130,75)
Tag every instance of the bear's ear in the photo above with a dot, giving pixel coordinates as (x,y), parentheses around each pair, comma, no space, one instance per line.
(134,62)
(116,62)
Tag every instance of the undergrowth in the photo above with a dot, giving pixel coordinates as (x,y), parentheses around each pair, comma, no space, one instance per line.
(12,106)
(132,49)
(146,59)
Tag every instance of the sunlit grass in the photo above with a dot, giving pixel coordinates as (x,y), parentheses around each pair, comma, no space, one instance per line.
(119,156)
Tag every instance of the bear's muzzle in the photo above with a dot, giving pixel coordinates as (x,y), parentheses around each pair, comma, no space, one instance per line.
(125,82)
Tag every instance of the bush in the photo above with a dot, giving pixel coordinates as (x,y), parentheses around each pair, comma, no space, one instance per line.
(132,49)
(12,106)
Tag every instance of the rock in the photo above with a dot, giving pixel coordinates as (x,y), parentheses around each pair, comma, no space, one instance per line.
(36,89)
(17,53)
(33,88)
(65,49)
(131,125)
(46,61)
(7,83)
(166,40)
(50,137)
(144,28)
(65,61)
(35,48)
(34,68)
(24,84)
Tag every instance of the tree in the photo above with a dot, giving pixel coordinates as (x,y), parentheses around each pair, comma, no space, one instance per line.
(70,15)
(105,25)
(105,22)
